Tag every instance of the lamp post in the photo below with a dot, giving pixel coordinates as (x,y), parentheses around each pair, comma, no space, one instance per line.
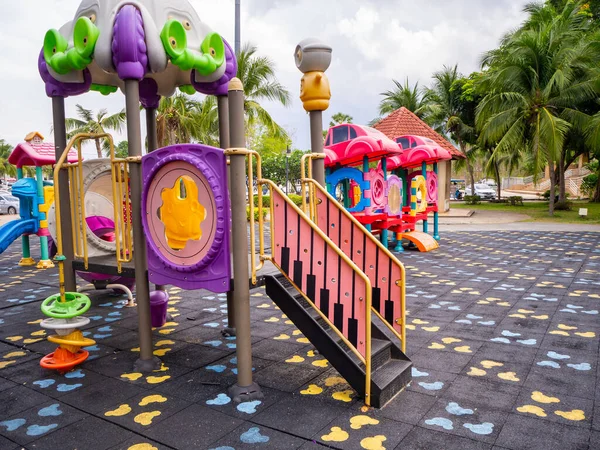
(288,153)
(237,43)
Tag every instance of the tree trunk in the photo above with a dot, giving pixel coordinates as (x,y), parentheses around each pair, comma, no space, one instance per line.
(596,197)
(469,166)
(562,188)
(497,178)
(98,149)
(552,188)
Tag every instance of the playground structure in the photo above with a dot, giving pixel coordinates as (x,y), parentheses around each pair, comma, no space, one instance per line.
(395,195)
(175,221)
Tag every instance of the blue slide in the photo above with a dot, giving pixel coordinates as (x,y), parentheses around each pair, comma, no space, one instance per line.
(13,229)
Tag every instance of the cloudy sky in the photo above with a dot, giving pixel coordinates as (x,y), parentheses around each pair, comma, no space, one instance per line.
(373,41)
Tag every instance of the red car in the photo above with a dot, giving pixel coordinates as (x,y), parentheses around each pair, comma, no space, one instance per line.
(347,144)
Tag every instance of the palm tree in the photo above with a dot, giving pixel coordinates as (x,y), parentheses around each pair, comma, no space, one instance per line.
(451,113)
(101,123)
(412,98)
(257,73)
(6,168)
(182,119)
(535,82)
(339,118)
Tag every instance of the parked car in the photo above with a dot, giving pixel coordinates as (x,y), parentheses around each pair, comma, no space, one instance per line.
(9,204)
(483,191)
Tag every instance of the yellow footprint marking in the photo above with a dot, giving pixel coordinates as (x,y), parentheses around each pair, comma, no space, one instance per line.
(312,389)
(357,422)
(31,341)
(540,317)
(39,333)
(518,316)
(295,359)
(172,310)
(532,409)
(343,396)
(296,332)
(272,319)
(333,381)
(336,435)
(281,337)
(410,327)
(436,346)
(431,329)
(35,322)
(463,349)
(264,305)
(303,340)
(537,396)
(575,415)
(135,349)
(289,322)
(146,418)
(132,376)
(120,411)
(163,368)
(589,334)
(14,355)
(508,376)
(171,324)
(4,364)
(166,331)
(320,363)
(373,443)
(475,372)
(566,327)
(164,342)
(162,351)
(450,340)
(525,311)
(490,364)
(503,304)
(156,380)
(560,333)
(144,446)
(152,399)
(420,322)
(310,353)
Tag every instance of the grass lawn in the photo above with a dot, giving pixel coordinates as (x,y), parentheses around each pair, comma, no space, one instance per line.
(538,211)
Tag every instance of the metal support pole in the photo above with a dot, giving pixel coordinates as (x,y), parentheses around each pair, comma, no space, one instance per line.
(436,230)
(223,112)
(316,146)
(424,173)
(147,361)
(238,37)
(245,389)
(60,143)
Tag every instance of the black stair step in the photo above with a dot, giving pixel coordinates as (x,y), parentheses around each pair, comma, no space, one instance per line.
(381,353)
(391,378)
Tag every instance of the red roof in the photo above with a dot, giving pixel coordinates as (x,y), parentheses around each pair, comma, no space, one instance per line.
(404,122)
(36,154)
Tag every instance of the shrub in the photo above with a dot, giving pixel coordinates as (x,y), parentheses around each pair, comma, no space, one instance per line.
(255,214)
(472,199)
(516,200)
(266,201)
(588,184)
(297,199)
(563,206)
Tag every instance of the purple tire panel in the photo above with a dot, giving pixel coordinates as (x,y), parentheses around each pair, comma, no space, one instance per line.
(212,270)
(129,44)
(55,88)
(219,87)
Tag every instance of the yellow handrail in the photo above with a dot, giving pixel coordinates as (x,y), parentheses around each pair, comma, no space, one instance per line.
(77,200)
(312,186)
(121,203)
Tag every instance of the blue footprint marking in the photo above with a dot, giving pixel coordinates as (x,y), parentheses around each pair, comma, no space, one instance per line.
(480,428)
(552,364)
(582,366)
(221,399)
(465,321)
(253,436)
(92,348)
(52,410)
(101,336)
(213,343)
(75,374)
(233,360)
(211,325)
(37,430)
(416,373)
(527,341)
(510,334)
(232,346)
(555,355)
(432,386)
(501,340)
(446,424)
(68,387)
(218,368)
(44,383)
(106,304)
(489,323)
(235,371)
(105,329)
(114,313)
(12,425)
(227,447)
(457,410)
(249,407)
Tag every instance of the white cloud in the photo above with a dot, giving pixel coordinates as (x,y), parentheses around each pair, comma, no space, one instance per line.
(373,41)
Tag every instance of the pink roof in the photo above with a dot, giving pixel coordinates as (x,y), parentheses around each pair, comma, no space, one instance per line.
(415,156)
(36,154)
